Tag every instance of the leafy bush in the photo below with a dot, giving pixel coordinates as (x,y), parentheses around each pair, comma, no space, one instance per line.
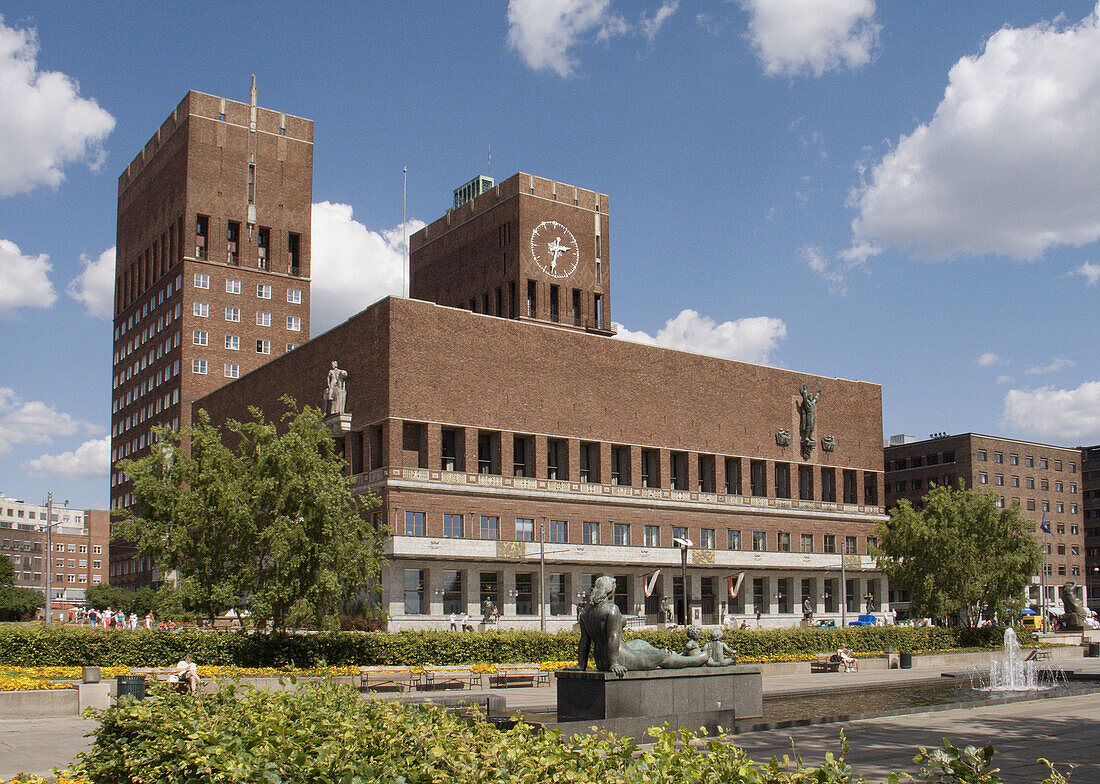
(77,646)
(326,733)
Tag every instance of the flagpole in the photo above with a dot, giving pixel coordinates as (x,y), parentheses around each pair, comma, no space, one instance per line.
(404,230)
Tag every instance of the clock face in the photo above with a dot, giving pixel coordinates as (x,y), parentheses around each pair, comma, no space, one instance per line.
(554,249)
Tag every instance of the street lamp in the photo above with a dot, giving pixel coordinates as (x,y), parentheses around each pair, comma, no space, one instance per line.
(684,545)
(49,555)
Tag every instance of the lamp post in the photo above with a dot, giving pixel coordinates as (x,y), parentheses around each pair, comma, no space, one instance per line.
(49,555)
(684,544)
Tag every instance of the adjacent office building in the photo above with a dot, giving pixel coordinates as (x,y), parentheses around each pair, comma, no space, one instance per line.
(213,268)
(76,546)
(1090,501)
(1041,480)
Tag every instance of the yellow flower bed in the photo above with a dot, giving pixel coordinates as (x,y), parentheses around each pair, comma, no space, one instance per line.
(63,777)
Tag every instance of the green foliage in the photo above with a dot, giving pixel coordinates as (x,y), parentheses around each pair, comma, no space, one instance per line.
(16,603)
(324,733)
(78,646)
(271,523)
(103,596)
(959,554)
(165,602)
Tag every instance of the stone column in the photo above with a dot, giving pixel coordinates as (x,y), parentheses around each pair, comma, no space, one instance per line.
(819,591)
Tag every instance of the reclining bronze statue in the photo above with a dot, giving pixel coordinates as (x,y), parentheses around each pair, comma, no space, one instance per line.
(601,625)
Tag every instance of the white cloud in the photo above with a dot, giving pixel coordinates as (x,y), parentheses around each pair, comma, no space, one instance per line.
(1065,416)
(544,31)
(1009,162)
(1004,379)
(748,339)
(988,359)
(352,266)
(34,422)
(24,280)
(651,25)
(89,460)
(797,37)
(1055,364)
(95,285)
(817,261)
(1090,271)
(44,123)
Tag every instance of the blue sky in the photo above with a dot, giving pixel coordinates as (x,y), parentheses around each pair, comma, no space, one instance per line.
(904,193)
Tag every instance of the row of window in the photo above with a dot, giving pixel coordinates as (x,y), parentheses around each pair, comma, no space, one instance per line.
(233,314)
(160,403)
(1029,461)
(813,482)
(264,255)
(139,340)
(127,448)
(31,514)
(233,286)
(134,320)
(454,527)
(919,461)
(1029,483)
(136,278)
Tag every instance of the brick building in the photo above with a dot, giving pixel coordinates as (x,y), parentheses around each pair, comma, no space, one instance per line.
(213,270)
(1090,502)
(1038,478)
(497,428)
(80,547)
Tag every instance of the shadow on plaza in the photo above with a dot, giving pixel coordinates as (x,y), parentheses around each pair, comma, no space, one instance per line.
(881,746)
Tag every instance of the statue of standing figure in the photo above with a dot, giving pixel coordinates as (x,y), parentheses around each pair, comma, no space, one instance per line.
(336,392)
(807,418)
(807,609)
(666,611)
(602,638)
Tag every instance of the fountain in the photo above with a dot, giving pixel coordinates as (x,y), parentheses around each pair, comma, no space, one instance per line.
(1013,673)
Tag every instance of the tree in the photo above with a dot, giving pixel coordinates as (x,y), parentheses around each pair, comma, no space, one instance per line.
(270,524)
(959,554)
(16,603)
(103,596)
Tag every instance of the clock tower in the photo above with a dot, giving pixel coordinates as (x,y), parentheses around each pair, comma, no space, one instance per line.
(527,248)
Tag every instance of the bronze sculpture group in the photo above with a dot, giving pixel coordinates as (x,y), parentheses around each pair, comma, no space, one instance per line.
(601,624)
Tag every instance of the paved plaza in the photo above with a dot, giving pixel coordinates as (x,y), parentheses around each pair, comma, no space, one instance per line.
(1065,730)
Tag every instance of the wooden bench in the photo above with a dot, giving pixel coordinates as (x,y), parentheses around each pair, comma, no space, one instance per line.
(165,675)
(1039,654)
(824,662)
(399,676)
(532,671)
(442,674)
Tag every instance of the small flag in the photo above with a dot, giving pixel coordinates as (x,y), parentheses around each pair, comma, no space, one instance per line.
(651,583)
(733,584)
(1044,526)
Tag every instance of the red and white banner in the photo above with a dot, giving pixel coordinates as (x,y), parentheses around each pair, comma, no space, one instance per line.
(651,583)
(733,584)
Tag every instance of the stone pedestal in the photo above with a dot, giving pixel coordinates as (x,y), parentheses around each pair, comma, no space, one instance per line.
(338,424)
(693,697)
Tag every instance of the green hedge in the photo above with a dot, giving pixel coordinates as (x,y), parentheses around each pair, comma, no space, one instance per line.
(326,734)
(75,646)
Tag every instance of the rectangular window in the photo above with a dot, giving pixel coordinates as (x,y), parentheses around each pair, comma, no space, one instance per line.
(233,314)
(232,370)
(597,309)
(263,290)
(263,248)
(530,299)
(805,483)
(202,229)
(706,538)
(622,534)
(201,309)
(733,539)
(590,462)
(620,465)
(232,287)
(525,529)
(263,319)
(651,468)
(490,527)
(784,542)
(981,455)
(294,323)
(849,486)
(198,367)
(870,489)
(452,526)
(576,307)
(758,477)
(850,546)
(558,531)
(200,338)
(652,535)
(558,594)
(525,593)
(590,532)
(294,296)
(452,592)
(263,346)
(294,252)
(759,541)
(450,459)
(488,452)
(233,342)
(202,281)
(414,592)
(706,473)
(806,543)
(782,480)
(554,312)
(1043,464)
(998,457)
(733,476)
(678,470)
(414,523)
(828,543)
(232,246)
